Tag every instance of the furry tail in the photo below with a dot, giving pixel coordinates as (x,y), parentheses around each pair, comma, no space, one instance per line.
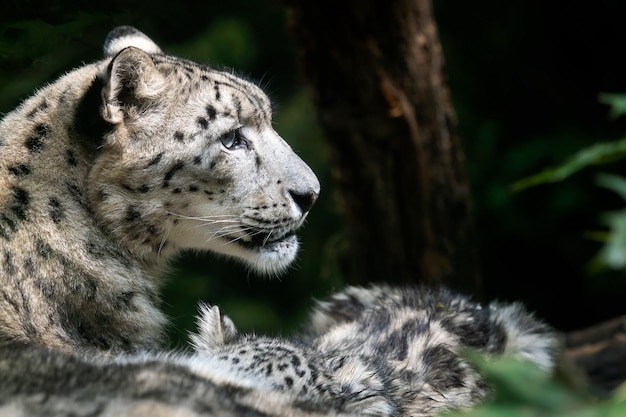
(500,328)
(526,337)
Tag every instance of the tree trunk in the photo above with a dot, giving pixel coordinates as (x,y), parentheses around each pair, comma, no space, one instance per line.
(375,69)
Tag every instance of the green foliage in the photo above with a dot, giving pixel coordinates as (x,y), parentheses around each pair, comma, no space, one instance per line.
(617,102)
(612,254)
(596,154)
(520,389)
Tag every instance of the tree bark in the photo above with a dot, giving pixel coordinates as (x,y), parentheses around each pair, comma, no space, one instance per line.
(375,69)
(600,352)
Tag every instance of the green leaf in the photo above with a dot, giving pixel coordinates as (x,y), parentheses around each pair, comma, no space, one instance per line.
(613,182)
(617,102)
(521,389)
(612,254)
(597,154)
(520,382)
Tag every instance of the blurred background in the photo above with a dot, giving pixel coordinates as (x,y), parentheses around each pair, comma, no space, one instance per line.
(525,77)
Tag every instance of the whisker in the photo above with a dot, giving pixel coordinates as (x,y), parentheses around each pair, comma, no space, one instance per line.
(245,235)
(233,225)
(163,240)
(267,238)
(221,233)
(233,240)
(214,217)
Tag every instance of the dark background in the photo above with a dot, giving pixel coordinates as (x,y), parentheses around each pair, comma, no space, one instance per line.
(524,77)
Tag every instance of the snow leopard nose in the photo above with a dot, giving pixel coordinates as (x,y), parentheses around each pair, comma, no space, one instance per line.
(304,200)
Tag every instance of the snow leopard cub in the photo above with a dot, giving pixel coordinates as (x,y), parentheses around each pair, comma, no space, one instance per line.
(291,366)
(380,351)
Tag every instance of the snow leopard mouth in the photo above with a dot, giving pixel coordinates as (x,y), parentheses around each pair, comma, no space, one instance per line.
(268,251)
(263,239)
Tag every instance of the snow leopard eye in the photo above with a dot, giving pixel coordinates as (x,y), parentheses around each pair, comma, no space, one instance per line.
(233,139)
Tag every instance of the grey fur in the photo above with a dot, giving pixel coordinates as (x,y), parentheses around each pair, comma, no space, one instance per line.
(377,351)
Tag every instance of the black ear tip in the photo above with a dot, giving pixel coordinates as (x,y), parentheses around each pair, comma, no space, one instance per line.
(120,32)
(122,37)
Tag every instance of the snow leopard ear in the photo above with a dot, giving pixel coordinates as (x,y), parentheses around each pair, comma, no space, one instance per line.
(132,83)
(214,330)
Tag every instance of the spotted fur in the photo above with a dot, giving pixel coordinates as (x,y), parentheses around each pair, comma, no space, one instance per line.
(116,167)
(377,351)
(381,350)
(294,367)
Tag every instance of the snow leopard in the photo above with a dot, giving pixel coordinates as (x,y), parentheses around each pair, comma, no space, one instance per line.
(112,170)
(381,350)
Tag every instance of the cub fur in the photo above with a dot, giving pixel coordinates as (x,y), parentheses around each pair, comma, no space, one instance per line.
(380,350)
